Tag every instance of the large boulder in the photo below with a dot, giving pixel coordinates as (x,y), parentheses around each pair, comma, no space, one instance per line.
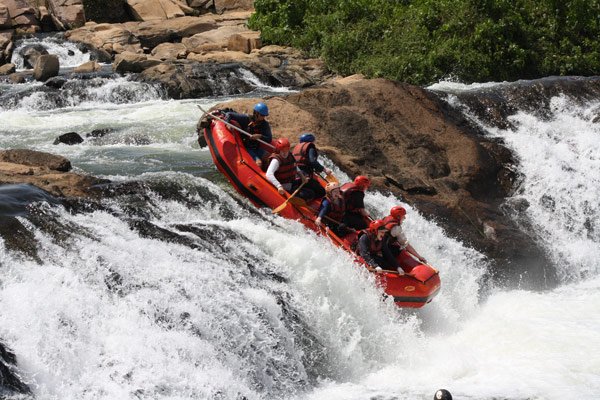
(68,14)
(213,39)
(23,16)
(46,66)
(46,171)
(112,38)
(152,10)
(35,159)
(46,19)
(184,80)
(5,20)
(244,41)
(226,5)
(153,33)
(7,69)
(169,51)
(132,62)
(6,45)
(31,53)
(88,67)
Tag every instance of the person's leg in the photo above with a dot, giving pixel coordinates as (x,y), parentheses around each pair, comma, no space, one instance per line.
(354,220)
(382,262)
(304,193)
(316,187)
(256,155)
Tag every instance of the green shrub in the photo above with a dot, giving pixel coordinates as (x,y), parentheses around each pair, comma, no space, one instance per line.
(422,41)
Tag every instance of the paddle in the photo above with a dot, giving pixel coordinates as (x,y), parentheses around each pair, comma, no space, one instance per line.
(282,206)
(233,126)
(331,179)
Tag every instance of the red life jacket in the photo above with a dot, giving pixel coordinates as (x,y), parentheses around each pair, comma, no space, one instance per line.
(390,222)
(300,153)
(286,173)
(348,190)
(375,245)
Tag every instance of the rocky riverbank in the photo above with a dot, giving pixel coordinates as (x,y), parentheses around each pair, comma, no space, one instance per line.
(174,46)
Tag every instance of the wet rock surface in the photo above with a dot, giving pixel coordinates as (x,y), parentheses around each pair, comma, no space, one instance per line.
(10,382)
(494,105)
(46,171)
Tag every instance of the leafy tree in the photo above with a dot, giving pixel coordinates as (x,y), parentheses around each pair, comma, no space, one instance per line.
(422,41)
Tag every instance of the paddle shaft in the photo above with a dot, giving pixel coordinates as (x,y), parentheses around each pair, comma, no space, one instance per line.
(282,206)
(234,127)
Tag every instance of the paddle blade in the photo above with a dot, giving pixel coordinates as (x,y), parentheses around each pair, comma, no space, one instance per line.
(280,208)
(331,178)
(298,202)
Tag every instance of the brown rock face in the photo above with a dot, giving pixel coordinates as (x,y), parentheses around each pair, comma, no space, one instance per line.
(68,13)
(7,69)
(46,171)
(6,45)
(244,42)
(152,10)
(132,62)
(5,21)
(412,144)
(221,5)
(110,38)
(35,159)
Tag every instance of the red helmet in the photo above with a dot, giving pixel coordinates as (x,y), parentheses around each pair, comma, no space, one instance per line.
(282,144)
(398,212)
(362,181)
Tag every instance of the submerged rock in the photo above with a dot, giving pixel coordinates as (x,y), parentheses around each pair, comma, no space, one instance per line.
(69,138)
(10,382)
(46,66)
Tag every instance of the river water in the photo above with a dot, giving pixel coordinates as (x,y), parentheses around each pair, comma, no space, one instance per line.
(186,291)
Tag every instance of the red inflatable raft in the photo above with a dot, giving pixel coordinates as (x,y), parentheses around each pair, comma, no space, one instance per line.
(415,288)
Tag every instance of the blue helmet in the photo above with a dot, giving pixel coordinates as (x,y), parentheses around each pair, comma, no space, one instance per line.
(307,137)
(262,109)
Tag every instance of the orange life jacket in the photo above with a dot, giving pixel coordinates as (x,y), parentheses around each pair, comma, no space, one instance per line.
(286,173)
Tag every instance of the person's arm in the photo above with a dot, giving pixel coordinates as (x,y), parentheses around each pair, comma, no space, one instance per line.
(323,210)
(301,174)
(273,167)
(265,132)
(240,120)
(400,237)
(389,256)
(313,160)
(364,250)
(412,251)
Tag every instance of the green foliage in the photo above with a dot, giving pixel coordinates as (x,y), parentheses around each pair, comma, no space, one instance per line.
(422,41)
